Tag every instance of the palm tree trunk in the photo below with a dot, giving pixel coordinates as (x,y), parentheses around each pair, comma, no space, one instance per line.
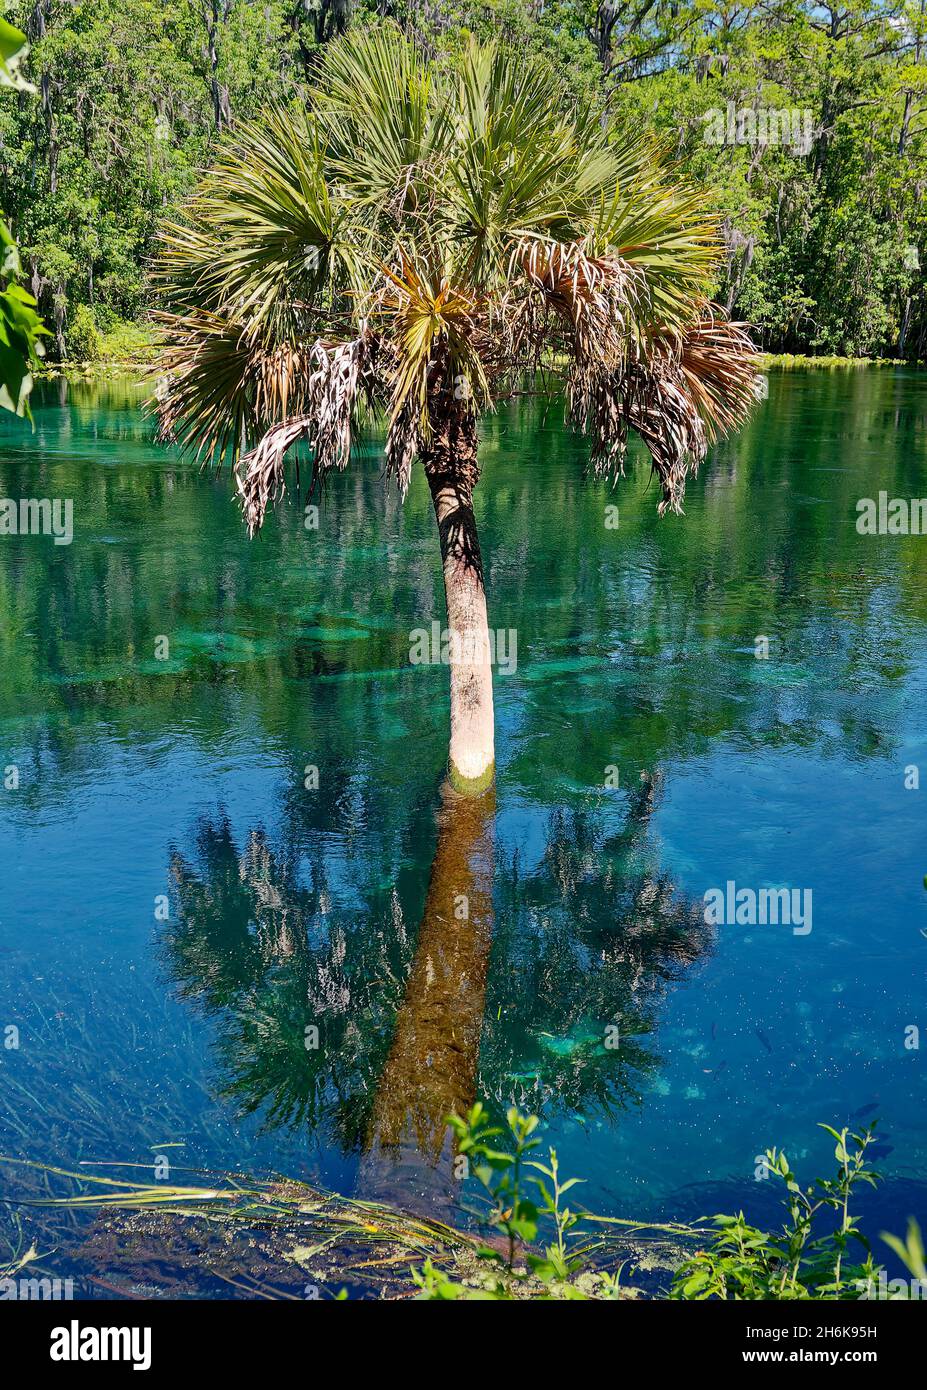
(452,470)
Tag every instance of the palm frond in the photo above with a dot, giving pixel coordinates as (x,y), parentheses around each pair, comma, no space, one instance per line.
(525,165)
(423,314)
(596,298)
(666,233)
(331,379)
(720,365)
(266,239)
(207,391)
(386,121)
(677,392)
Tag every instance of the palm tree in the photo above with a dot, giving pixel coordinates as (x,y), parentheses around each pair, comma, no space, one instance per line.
(413,244)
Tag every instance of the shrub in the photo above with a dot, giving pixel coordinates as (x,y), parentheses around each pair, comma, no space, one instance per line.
(82,339)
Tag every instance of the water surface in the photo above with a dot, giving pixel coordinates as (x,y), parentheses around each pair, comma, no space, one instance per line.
(178,905)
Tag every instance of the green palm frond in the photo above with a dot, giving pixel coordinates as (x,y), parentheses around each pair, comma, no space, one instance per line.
(666,232)
(206,395)
(267,239)
(386,120)
(425,316)
(523,165)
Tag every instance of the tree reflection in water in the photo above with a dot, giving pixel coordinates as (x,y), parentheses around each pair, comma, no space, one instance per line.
(538,984)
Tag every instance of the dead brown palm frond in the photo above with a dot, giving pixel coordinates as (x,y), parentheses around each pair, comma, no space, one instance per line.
(720,366)
(330,381)
(662,412)
(403,443)
(260,477)
(678,391)
(596,298)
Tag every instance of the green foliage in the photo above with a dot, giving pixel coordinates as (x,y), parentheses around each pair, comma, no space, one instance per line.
(810,1257)
(745,1263)
(84,343)
(20,326)
(130,102)
(825,247)
(910,1251)
(517,1203)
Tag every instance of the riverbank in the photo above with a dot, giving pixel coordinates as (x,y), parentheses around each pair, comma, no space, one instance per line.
(788,361)
(287,1239)
(131,349)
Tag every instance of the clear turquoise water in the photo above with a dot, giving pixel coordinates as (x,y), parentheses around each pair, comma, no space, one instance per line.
(143,777)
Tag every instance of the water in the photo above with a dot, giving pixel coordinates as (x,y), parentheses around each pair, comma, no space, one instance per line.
(178,906)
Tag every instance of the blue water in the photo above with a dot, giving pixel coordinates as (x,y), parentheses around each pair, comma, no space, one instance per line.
(142,777)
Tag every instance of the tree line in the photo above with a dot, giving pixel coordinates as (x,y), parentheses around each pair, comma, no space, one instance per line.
(807,120)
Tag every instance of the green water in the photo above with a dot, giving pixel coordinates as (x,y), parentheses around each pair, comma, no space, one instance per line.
(178,906)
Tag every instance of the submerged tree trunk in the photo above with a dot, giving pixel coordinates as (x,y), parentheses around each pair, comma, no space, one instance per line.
(452,470)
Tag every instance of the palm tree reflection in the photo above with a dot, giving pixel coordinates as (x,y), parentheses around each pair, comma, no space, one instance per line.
(258,948)
(536,981)
(432,1065)
(585,950)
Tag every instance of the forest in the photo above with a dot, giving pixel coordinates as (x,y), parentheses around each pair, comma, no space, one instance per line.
(807,122)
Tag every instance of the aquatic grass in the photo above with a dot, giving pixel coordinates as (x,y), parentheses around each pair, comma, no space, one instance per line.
(310,1212)
(81,1067)
(373,1246)
(397,1251)
(789,361)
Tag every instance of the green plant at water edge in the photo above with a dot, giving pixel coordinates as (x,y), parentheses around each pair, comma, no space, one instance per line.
(20,331)
(584,1257)
(740,1262)
(518,1200)
(746,1263)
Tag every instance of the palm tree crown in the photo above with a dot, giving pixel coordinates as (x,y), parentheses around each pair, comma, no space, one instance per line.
(415,241)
